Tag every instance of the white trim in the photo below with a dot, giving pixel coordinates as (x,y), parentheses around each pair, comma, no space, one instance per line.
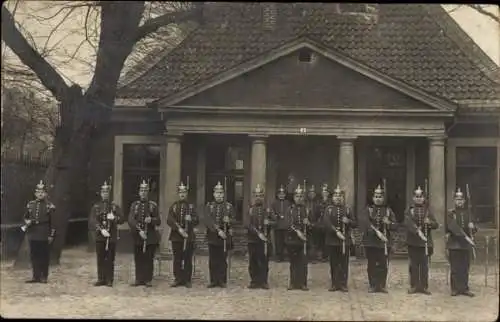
(135,102)
(119,141)
(289,48)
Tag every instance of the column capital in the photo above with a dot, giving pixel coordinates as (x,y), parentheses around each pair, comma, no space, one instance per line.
(437,140)
(172,137)
(258,138)
(347,138)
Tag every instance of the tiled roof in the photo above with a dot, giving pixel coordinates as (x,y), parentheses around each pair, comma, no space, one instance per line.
(407,42)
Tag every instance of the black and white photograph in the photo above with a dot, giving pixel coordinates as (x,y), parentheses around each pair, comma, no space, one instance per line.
(312,161)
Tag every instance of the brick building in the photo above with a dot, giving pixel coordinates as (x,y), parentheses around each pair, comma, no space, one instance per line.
(280,93)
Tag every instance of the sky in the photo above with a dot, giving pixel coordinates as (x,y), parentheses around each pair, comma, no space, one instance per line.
(483,30)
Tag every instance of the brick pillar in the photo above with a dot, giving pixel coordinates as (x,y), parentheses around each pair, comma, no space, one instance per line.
(437,192)
(171,178)
(347,168)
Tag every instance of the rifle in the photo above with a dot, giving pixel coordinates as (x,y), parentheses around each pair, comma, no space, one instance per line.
(226,233)
(469,206)
(305,226)
(425,225)
(384,183)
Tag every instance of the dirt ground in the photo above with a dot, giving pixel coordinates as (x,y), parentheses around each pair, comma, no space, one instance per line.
(70,294)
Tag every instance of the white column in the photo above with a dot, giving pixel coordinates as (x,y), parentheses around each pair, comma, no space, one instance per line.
(346,168)
(258,162)
(437,191)
(172,179)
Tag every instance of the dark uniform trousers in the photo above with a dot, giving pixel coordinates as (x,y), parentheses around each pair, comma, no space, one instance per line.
(217,262)
(459,269)
(144,265)
(339,265)
(377,266)
(40,258)
(279,236)
(183,261)
(319,237)
(419,267)
(258,263)
(105,261)
(298,266)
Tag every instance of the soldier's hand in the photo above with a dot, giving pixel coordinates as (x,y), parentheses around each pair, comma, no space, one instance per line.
(301,235)
(470,241)
(345,220)
(183,233)
(226,219)
(143,235)
(110,216)
(187,218)
(147,220)
(381,236)
(471,225)
(222,234)
(421,235)
(51,239)
(386,221)
(306,221)
(262,237)
(105,233)
(28,222)
(427,221)
(340,235)
(266,222)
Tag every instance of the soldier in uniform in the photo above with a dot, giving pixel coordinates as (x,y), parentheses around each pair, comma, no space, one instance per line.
(320,233)
(39,225)
(460,229)
(419,222)
(314,211)
(259,228)
(182,218)
(377,221)
(143,220)
(219,215)
(105,216)
(279,209)
(338,221)
(299,226)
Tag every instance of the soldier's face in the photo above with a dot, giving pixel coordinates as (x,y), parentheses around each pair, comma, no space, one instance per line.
(281,195)
(298,198)
(378,199)
(311,195)
(325,195)
(105,195)
(183,195)
(258,198)
(143,193)
(40,194)
(459,202)
(219,196)
(338,199)
(418,199)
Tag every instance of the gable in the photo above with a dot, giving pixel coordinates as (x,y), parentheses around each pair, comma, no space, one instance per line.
(288,82)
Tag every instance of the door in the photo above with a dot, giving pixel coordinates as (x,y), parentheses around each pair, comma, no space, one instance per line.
(389,163)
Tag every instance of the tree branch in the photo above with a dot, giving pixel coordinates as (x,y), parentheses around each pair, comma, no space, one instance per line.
(483,11)
(13,38)
(154,24)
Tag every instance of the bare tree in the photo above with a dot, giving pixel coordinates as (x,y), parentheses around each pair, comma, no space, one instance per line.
(121,26)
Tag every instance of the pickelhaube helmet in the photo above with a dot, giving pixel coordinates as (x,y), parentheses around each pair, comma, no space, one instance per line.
(144,185)
(105,187)
(325,188)
(378,190)
(182,188)
(419,192)
(299,190)
(459,194)
(338,190)
(281,189)
(218,187)
(40,186)
(258,190)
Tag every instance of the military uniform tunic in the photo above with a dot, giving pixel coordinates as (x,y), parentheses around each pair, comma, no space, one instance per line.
(374,247)
(338,249)
(99,221)
(41,214)
(460,250)
(183,258)
(144,250)
(279,208)
(258,255)
(419,261)
(218,252)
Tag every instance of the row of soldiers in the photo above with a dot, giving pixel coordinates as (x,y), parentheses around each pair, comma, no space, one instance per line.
(293,223)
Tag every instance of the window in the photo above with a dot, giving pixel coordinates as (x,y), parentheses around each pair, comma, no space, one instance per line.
(476,167)
(305,55)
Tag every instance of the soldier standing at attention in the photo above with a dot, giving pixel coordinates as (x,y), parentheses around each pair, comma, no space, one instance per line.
(279,208)
(260,219)
(299,224)
(319,227)
(377,221)
(419,222)
(218,219)
(182,218)
(460,244)
(39,225)
(143,220)
(314,211)
(105,217)
(338,222)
